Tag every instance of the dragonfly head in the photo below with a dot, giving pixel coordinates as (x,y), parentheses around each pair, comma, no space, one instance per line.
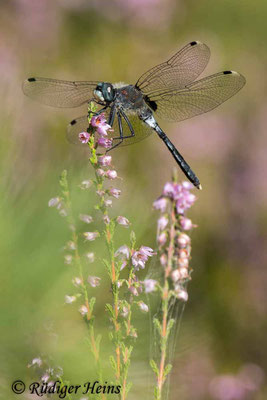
(105,92)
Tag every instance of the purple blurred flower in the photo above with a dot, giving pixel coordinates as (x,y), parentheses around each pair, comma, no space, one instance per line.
(114,192)
(90,257)
(123,221)
(35,361)
(162,222)
(186,223)
(86,218)
(111,174)
(100,172)
(183,240)
(94,281)
(104,142)
(54,202)
(169,190)
(68,259)
(69,299)
(149,285)
(105,160)
(123,252)
(162,238)
(160,204)
(86,184)
(143,306)
(139,258)
(90,235)
(84,137)
(83,310)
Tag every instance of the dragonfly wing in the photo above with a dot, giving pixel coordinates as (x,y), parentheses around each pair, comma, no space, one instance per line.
(182,68)
(75,127)
(57,93)
(198,97)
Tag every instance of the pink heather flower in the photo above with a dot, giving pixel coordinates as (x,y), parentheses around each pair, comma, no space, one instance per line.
(103,142)
(183,262)
(114,192)
(186,223)
(162,238)
(111,174)
(100,193)
(181,294)
(169,190)
(106,219)
(183,240)
(91,235)
(162,222)
(123,265)
(176,275)
(146,251)
(108,203)
(36,361)
(86,218)
(76,281)
(63,212)
(84,137)
(124,312)
(68,259)
(183,253)
(184,273)
(83,310)
(123,252)
(45,377)
(123,221)
(184,199)
(104,161)
(94,281)
(54,202)
(160,204)
(90,257)
(139,258)
(163,260)
(100,172)
(97,120)
(70,245)
(143,306)
(69,299)
(86,184)
(149,285)
(134,291)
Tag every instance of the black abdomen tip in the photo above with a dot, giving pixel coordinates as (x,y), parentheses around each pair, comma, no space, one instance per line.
(227,72)
(31,80)
(193,43)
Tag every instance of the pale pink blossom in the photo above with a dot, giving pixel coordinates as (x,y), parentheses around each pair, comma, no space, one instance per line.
(69,299)
(84,137)
(149,285)
(90,236)
(123,221)
(94,281)
(111,174)
(114,192)
(86,218)
(105,160)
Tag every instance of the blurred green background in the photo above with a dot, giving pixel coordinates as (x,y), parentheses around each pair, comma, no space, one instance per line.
(222,350)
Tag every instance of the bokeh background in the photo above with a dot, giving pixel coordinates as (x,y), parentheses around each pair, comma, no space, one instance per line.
(222,350)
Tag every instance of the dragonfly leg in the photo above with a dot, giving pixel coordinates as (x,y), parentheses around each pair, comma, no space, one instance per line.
(120,114)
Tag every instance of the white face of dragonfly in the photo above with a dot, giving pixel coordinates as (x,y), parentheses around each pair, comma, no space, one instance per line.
(99,94)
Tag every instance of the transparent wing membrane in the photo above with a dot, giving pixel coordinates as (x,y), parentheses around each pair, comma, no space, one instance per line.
(182,68)
(198,97)
(57,93)
(141,130)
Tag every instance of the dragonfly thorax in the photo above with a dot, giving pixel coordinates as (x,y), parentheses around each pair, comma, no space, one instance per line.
(105,92)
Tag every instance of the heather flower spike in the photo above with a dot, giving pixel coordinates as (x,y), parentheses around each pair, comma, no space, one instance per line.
(174,251)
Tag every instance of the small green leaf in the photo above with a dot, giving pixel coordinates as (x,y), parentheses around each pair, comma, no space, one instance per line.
(154,367)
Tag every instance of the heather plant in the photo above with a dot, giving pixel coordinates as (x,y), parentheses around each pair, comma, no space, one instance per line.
(122,266)
(125,286)
(174,249)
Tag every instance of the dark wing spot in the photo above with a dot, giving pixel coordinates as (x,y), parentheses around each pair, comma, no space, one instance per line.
(193,43)
(31,80)
(152,104)
(227,72)
(73,122)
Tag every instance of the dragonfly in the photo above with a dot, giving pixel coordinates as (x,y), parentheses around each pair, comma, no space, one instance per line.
(169,91)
